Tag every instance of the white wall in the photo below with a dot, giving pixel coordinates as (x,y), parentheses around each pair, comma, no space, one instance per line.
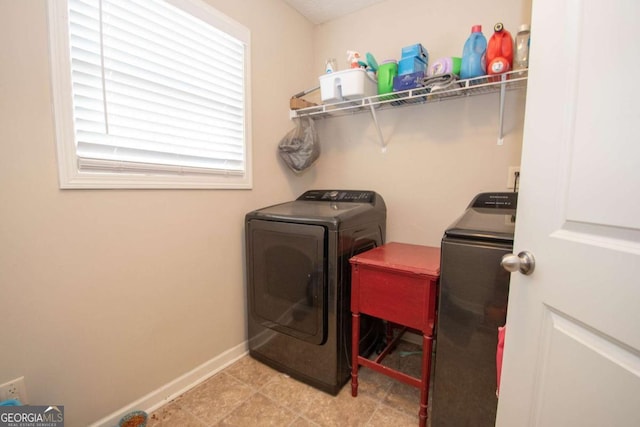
(108,295)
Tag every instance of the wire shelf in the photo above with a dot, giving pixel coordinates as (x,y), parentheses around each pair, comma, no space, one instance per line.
(463,88)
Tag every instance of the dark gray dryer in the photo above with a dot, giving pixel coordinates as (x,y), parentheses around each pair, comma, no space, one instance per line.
(474,289)
(299,282)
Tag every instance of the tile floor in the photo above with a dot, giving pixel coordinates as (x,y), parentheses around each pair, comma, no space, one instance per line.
(249,393)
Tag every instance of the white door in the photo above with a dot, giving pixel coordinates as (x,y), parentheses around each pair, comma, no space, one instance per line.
(572,352)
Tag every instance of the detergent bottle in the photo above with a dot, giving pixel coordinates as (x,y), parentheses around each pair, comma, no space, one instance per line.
(500,51)
(474,54)
(522,47)
(386,72)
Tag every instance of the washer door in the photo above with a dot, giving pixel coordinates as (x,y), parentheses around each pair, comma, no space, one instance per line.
(286,278)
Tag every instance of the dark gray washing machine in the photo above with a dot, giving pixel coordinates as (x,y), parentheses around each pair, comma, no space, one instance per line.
(474,289)
(299,282)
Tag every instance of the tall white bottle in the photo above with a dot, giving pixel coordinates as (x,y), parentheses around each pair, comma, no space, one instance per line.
(523,38)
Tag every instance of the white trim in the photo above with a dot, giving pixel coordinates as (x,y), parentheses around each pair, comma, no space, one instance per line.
(175,388)
(70,176)
(61,90)
(207,13)
(412,337)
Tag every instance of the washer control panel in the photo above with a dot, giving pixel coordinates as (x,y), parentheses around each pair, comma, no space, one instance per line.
(352,196)
(495,200)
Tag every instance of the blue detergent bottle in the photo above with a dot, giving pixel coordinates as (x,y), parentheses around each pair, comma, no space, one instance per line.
(474,59)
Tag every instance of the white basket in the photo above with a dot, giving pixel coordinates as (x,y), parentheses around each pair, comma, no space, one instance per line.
(347,84)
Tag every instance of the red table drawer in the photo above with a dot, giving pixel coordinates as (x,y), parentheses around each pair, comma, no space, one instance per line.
(397,282)
(397,297)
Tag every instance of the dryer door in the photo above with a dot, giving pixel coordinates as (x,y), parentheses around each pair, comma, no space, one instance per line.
(286,278)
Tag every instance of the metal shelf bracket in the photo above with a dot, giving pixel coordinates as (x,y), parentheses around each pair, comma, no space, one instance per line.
(503,90)
(377,126)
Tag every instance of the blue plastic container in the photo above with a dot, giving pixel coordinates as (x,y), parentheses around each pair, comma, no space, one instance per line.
(474,55)
(410,65)
(415,50)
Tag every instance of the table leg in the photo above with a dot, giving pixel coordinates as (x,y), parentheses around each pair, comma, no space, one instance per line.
(427,344)
(355,350)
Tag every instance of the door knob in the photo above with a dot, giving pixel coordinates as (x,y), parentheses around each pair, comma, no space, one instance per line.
(523,262)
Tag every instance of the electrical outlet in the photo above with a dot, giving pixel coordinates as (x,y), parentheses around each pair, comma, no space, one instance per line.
(14,389)
(511,177)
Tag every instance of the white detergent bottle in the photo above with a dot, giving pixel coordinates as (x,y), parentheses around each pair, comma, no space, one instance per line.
(523,38)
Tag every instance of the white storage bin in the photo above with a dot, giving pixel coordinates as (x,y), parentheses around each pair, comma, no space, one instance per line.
(347,84)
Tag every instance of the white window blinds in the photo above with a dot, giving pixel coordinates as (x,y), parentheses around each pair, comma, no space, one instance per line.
(155,89)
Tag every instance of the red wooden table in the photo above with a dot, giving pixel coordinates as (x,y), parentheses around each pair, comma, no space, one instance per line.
(396,282)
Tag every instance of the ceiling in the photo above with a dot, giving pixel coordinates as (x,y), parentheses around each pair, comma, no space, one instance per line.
(320,11)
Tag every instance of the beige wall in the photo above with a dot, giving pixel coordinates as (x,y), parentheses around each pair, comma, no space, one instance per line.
(108,295)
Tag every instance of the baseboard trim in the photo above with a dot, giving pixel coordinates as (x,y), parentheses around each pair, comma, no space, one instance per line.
(412,337)
(175,388)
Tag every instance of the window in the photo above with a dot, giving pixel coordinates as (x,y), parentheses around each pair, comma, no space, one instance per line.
(150,94)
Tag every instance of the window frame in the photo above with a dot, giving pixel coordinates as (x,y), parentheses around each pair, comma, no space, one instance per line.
(69,174)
